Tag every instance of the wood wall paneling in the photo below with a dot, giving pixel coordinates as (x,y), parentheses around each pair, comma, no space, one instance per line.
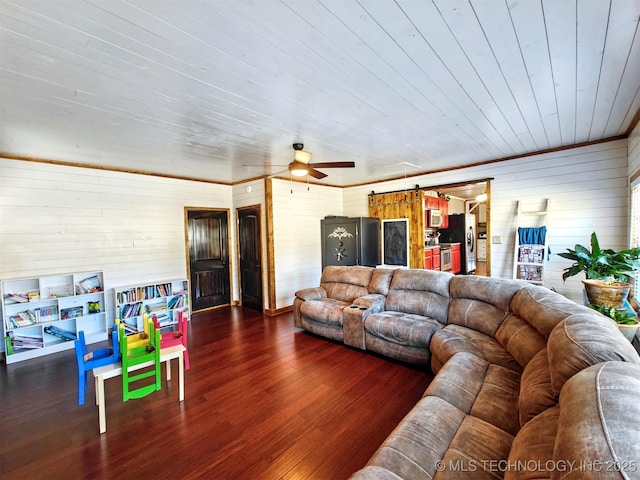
(408,204)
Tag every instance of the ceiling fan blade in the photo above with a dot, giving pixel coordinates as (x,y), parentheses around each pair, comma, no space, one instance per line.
(316,174)
(333,165)
(262,165)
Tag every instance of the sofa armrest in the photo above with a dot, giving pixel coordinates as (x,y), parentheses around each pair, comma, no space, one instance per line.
(353,325)
(311,293)
(374,302)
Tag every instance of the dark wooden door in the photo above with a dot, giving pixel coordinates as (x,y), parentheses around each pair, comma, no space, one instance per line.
(208,258)
(250,257)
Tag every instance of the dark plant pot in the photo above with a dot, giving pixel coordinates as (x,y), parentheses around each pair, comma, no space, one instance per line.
(611,295)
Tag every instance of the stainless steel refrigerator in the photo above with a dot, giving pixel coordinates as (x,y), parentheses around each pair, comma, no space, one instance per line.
(462,228)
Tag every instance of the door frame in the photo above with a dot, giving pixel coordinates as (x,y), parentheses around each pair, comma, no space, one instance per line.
(186,211)
(263,256)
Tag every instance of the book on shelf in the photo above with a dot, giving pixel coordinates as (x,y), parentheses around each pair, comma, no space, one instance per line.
(24,341)
(89,285)
(72,312)
(11,298)
(23,319)
(176,302)
(131,310)
(61,333)
(155,307)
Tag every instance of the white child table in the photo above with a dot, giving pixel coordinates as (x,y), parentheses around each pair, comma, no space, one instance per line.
(115,370)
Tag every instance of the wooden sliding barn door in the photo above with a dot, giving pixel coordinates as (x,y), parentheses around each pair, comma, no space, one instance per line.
(208,247)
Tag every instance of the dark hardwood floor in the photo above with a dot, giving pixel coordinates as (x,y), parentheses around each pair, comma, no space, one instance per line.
(263,400)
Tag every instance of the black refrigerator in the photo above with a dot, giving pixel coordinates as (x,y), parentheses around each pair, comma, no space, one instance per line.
(462,229)
(350,241)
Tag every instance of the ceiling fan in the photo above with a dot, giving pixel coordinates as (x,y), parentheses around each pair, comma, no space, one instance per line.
(302,165)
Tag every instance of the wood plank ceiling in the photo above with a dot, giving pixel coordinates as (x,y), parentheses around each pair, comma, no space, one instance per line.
(202,89)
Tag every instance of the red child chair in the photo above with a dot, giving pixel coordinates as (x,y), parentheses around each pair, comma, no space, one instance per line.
(175,337)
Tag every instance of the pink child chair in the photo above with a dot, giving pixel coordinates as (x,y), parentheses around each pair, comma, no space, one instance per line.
(175,337)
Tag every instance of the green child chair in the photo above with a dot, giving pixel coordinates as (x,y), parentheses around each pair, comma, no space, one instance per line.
(135,356)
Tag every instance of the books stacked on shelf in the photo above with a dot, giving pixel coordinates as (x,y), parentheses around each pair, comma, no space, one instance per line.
(176,302)
(11,298)
(24,341)
(131,310)
(130,326)
(59,332)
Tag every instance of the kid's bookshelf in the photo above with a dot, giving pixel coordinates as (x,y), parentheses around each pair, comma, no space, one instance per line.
(163,299)
(43,315)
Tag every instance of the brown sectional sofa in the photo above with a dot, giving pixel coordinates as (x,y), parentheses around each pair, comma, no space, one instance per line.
(528,384)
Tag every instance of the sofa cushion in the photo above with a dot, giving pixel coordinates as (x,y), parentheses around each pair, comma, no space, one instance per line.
(542,308)
(402,328)
(420,440)
(481,303)
(520,339)
(582,340)
(380,280)
(480,389)
(600,406)
(534,312)
(346,283)
(532,449)
(326,310)
(476,451)
(423,292)
(536,394)
(436,440)
(455,338)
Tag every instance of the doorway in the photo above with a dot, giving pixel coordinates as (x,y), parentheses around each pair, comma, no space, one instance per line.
(208,250)
(250,250)
(473,198)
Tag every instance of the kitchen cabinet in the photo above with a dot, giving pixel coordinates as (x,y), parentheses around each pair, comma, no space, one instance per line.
(432,258)
(455,258)
(436,203)
(482,213)
(482,249)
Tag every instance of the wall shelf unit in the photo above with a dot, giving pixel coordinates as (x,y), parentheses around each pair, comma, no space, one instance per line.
(163,299)
(531,249)
(43,315)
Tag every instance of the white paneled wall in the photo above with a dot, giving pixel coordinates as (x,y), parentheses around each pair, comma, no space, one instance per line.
(56,219)
(297,211)
(587,187)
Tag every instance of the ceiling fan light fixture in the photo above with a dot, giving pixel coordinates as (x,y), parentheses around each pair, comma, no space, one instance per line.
(298,169)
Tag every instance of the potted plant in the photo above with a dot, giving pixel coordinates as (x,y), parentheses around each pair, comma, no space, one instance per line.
(607,271)
(627,320)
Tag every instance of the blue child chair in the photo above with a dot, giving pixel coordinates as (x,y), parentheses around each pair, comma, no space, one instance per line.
(97,358)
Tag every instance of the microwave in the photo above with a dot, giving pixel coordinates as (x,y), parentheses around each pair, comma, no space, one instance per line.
(435,218)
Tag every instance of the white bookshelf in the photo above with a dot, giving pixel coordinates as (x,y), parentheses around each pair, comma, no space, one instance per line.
(43,315)
(163,299)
